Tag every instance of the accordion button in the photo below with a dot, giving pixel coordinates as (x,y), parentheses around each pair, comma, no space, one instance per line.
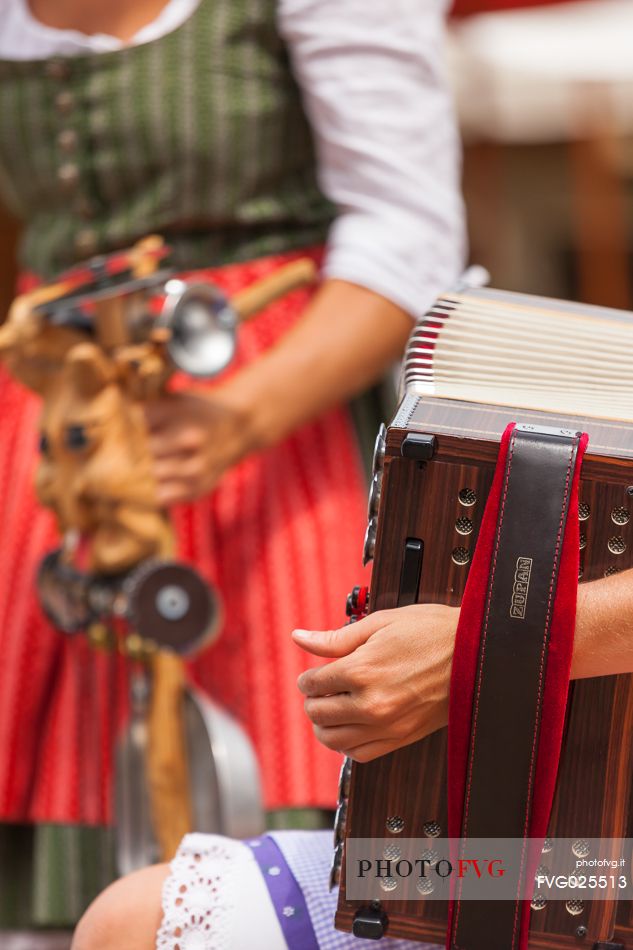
(379,450)
(340,822)
(369,546)
(374,495)
(344,779)
(335,870)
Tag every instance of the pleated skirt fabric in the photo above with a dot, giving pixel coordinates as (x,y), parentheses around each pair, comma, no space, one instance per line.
(280,538)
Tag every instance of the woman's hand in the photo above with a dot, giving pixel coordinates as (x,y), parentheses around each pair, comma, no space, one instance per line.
(321,362)
(194,437)
(388,686)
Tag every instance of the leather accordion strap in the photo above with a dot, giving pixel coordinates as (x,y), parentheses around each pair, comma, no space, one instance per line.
(511,666)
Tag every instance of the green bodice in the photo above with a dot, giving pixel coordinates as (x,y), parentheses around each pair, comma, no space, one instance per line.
(199,136)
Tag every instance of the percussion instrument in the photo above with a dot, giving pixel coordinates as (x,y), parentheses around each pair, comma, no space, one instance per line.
(97,345)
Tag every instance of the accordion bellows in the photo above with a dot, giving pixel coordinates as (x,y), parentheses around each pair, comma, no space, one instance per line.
(488,346)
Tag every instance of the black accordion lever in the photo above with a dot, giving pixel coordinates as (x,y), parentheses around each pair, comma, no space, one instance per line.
(370,922)
(411,572)
(419,446)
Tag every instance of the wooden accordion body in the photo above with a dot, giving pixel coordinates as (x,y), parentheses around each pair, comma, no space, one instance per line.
(439,501)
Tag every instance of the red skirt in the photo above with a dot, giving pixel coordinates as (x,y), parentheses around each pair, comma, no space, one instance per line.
(280,538)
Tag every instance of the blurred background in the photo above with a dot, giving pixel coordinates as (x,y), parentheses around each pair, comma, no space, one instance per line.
(545,99)
(544,93)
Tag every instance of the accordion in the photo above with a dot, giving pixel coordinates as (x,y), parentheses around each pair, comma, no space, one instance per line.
(480,360)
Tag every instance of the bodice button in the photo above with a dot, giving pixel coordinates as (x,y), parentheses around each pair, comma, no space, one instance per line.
(67,140)
(64,101)
(85,208)
(86,242)
(68,174)
(57,69)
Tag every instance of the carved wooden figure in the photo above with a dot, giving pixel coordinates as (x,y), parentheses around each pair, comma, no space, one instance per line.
(90,348)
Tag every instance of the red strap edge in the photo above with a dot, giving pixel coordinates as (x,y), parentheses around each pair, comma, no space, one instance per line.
(465,659)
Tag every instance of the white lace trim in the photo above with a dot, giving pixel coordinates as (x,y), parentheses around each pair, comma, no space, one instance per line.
(199,896)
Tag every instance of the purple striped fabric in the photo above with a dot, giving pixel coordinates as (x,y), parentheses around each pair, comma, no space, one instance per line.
(285,893)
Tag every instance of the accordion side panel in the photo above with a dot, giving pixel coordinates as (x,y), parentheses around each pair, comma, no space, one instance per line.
(417,507)
(441,503)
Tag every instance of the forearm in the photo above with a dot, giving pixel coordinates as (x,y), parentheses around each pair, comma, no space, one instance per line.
(345,340)
(603,643)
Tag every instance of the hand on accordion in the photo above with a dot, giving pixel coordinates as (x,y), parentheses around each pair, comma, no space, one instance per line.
(388,682)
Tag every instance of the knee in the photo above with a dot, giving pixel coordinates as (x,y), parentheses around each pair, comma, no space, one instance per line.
(126,916)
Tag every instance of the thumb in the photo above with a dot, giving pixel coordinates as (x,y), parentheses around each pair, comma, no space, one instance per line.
(341,642)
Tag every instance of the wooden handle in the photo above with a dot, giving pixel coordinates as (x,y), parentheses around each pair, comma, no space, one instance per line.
(167,767)
(297,274)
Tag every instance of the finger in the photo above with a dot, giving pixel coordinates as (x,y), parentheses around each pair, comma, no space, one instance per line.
(341,642)
(173,493)
(340,738)
(162,447)
(179,468)
(340,710)
(328,680)
(174,440)
(373,749)
(167,469)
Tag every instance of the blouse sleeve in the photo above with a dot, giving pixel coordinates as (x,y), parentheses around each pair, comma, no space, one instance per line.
(374,88)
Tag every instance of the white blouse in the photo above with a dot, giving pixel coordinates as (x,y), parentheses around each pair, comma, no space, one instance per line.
(373,80)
